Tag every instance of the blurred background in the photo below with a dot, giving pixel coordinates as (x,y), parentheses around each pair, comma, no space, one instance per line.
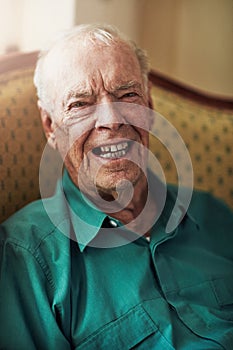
(190,41)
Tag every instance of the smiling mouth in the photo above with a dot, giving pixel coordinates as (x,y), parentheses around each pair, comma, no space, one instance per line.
(114,151)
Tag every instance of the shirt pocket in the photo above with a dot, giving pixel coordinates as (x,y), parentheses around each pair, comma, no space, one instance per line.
(212,320)
(223,290)
(122,334)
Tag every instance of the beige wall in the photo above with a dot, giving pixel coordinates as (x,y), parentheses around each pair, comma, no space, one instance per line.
(191,40)
(29,24)
(43,19)
(125,14)
(9,25)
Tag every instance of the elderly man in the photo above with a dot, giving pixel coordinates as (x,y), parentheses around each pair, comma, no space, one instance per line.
(91,268)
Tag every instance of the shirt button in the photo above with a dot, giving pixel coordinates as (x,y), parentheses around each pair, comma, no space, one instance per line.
(112,223)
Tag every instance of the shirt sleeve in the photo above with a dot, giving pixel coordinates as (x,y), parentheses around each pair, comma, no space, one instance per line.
(27,316)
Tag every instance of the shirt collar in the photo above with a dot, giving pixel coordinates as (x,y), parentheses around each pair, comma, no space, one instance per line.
(177,216)
(182,209)
(85,217)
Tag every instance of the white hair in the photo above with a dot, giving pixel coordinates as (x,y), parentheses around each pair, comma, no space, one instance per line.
(104,33)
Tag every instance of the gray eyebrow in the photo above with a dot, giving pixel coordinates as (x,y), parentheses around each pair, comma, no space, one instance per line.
(73,93)
(128,85)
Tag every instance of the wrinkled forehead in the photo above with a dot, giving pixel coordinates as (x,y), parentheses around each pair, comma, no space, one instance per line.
(82,56)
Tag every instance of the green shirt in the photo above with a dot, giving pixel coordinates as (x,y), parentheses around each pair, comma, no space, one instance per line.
(174,292)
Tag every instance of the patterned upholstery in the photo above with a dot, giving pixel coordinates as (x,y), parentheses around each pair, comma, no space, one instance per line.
(21,137)
(208,134)
(207,131)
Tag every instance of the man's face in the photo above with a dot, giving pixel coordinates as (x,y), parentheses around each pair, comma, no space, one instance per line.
(97,135)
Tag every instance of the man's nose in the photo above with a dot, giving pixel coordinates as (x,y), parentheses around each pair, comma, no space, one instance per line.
(109,116)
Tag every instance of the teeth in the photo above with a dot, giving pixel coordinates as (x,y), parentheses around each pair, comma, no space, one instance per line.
(118,154)
(112,151)
(105,149)
(114,148)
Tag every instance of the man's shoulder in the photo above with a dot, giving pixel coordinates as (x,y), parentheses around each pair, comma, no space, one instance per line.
(204,204)
(32,224)
(201,199)
(214,218)
(206,209)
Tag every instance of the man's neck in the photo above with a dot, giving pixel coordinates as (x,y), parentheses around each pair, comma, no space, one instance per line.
(127,215)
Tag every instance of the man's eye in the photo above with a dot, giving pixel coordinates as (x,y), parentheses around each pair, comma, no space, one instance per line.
(129,95)
(77,104)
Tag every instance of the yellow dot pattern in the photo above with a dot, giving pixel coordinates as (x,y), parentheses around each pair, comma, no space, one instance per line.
(22,141)
(208,134)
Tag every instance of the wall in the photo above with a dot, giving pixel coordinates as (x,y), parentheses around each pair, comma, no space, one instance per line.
(191,41)
(125,14)
(10,19)
(28,24)
(43,19)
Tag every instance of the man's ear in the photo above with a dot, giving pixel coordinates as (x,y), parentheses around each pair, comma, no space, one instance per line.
(150,104)
(47,125)
(150,101)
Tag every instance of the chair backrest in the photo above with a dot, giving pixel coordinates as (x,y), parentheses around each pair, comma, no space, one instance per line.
(22,140)
(205,123)
(207,129)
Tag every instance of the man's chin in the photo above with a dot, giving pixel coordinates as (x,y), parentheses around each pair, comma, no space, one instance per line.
(111,192)
(109,178)
(119,181)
